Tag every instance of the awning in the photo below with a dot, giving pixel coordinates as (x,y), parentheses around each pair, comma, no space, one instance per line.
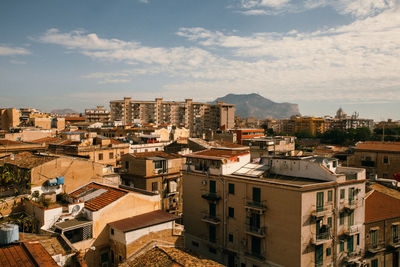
(73,224)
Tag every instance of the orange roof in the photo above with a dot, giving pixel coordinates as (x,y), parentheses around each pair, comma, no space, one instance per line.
(217,154)
(6,142)
(115,141)
(150,154)
(46,140)
(74,118)
(112,194)
(28,160)
(26,254)
(379,206)
(379,146)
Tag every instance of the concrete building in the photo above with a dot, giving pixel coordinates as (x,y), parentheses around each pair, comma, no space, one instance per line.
(378,158)
(158,172)
(98,114)
(265,146)
(285,211)
(195,116)
(243,134)
(9,118)
(382,220)
(344,122)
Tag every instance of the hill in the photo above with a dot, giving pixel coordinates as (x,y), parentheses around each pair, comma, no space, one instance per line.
(257,106)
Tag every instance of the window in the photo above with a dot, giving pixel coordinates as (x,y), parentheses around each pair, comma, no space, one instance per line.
(243,265)
(330,195)
(319,255)
(351,194)
(320,201)
(395,234)
(154,186)
(126,164)
(231,189)
(330,222)
(385,160)
(341,246)
(158,164)
(351,218)
(212,233)
(212,209)
(328,252)
(374,263)
(256,195)
(111,155)
(231,212)
(195,244)
(350,243)
(341,216)
(358,239)
(112,256)
(230,238)
(342,193)
(112,231)
(212,250)
(213,188)
(120,258)
(374,238)
(100,156)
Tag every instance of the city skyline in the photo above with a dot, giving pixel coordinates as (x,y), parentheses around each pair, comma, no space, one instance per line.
(319,54)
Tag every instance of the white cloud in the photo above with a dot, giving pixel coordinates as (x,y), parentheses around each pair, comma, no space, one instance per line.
(18,62)
(144,1)
(13,51)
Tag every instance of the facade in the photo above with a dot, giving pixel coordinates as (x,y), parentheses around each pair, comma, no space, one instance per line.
(378,158)
(195,116)
(382,220)
(309,124)
(98,114)
(9,118)
(243,134)
(158,172)
(285,211)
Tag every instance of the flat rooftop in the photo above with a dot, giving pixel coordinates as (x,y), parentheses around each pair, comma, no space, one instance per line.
(217,154)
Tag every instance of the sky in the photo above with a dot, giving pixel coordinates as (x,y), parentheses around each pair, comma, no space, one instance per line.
(320,54)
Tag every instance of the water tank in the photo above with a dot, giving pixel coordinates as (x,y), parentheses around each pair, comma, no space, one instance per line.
(8,233)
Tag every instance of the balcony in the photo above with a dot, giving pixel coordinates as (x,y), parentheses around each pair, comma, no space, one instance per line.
(353,256)
(351,230)
(322,211)
(255,231)
(259,206)
(211,196)
(351,204)
(377,247)
(321,238)
(255,255)
(212,219)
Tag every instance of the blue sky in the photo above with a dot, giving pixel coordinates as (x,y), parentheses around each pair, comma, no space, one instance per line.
(321,54)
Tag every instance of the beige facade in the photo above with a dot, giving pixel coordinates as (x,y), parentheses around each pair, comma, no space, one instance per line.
(9,118)
(99,114)
(264,146)
(256,217)
(197,117)
(157,172)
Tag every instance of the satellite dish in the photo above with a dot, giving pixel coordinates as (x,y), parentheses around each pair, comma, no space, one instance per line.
(75,209)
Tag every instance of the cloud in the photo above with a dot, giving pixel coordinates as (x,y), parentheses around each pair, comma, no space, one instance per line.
(18,62)
(13,51)
(144,1)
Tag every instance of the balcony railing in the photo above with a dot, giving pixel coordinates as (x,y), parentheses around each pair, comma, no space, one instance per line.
(321,237)
(211,196)
(376,247)
(256,205)
(255,255)
(351,230)
(321,211)
(353,256)
(255,230)
(209,218)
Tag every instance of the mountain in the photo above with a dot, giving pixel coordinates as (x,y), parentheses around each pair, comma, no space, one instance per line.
(254,105)
(63,111)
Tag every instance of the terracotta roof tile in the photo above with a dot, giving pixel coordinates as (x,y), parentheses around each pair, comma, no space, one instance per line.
(28,160)
(47,140)
(6,142)
(143,220)
(112,194)
(379,206)
(25,254)
(379,146)
(154,154)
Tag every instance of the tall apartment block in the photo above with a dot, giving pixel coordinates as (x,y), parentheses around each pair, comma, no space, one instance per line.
(98,114)
(192,115)
(284,211)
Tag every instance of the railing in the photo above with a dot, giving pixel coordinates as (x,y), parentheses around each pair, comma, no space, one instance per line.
(257,205)
(255,230)
(321,237)
(321,211)
(211,196)
(209,218)
(374,248)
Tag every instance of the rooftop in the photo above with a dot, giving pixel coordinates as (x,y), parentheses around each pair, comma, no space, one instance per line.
(47,140)
(97,195)
(143,220)
(170,257)
(386,190)
(217,154)
(379,146)
(28,160)
(380,206)
(26,254)
(153,154)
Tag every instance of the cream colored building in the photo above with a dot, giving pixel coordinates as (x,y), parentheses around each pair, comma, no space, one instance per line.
(287,211)
(9,118)
(98,114)
(195,116)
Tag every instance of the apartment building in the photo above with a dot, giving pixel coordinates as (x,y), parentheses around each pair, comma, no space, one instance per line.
(378,158)
(382,220)
(9,118)
(158,172)
(98,114)
(195,116)
(270,145)
(285,211)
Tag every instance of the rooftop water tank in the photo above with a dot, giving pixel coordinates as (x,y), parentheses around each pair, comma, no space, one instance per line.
(8,233)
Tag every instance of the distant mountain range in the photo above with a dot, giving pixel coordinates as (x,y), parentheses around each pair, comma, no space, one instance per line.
(63,111)
(254,105)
